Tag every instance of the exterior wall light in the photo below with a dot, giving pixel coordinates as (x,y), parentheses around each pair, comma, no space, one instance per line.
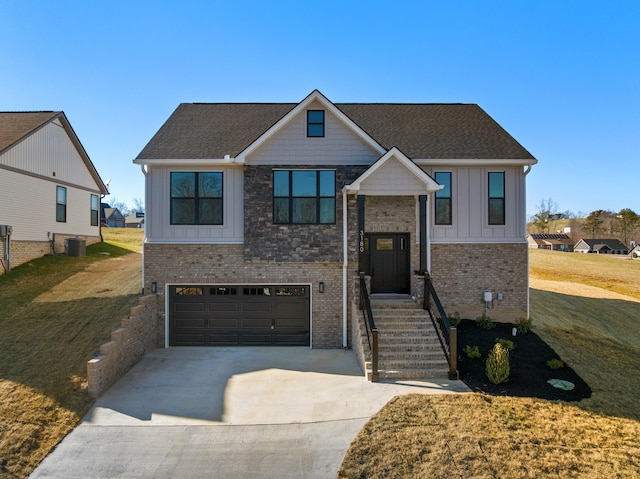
(321,287)
(154,287)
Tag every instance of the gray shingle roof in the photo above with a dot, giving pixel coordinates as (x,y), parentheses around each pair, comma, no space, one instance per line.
(609,242)
(421,131)
(15,125)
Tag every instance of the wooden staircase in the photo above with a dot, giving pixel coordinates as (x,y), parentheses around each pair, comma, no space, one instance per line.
(408,344)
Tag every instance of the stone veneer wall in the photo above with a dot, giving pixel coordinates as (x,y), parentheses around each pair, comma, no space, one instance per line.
(128,345)
(264,241)
(462,272)
(225,264)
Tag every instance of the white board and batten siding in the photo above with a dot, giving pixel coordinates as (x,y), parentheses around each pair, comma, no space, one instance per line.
(291,146)
(28,187)
(470,221)
(158,227)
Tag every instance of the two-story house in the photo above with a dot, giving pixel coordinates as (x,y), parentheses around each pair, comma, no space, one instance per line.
(260,216)
(49,189)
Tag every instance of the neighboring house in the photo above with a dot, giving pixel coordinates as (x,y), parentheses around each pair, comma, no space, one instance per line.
(49,189)
(601,246)
(260,216)
(555,242)
(134,220)
(113,218)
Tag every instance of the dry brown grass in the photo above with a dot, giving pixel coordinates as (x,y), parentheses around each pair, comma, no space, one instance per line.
(615,273)
(56,311)
(585,316)
(478,436)
(127,238)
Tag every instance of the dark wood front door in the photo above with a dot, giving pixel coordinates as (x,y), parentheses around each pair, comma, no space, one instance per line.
(389,263)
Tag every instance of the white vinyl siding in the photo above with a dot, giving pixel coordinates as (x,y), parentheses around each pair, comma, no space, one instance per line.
(158,227)
(291,146)
(50,153)
(470,221)
(33,215)
(393,179)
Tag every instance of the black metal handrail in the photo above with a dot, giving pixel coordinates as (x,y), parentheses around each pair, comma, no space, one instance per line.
(370,326)
(447,334)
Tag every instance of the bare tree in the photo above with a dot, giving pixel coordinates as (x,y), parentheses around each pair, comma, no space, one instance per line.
(138,205)
(122,207)
(547,211)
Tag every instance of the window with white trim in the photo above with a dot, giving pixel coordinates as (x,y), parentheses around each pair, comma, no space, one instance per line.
(496,198)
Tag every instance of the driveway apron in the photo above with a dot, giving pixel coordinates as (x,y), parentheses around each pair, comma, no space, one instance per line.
(236,412)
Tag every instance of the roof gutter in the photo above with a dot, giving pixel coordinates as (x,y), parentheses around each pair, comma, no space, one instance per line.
(226,161)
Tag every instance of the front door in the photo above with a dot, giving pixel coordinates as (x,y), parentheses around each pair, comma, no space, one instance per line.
(389,263)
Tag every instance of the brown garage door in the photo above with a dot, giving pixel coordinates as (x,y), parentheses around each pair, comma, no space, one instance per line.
(238,315)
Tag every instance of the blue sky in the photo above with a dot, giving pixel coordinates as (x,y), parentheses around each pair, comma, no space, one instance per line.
(563,77)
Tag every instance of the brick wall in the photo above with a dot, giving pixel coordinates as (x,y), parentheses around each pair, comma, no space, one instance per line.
(224,264)
(24,251)
(462,272)
(128,345)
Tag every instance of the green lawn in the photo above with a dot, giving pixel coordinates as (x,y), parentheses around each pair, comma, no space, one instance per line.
(46,339)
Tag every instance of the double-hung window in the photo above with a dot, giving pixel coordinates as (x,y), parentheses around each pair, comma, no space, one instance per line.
(315,123)
(95,208)
(443,214)
(196,198)
(304,196)
(61,204)
(496,198)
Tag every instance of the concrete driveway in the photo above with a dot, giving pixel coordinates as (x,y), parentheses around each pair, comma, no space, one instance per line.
(270,412)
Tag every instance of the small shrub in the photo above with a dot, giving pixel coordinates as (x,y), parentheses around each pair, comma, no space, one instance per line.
(485,322)
(506,343)
(472,352)
(555,363)
(454,319)
(498,364)
(523,325)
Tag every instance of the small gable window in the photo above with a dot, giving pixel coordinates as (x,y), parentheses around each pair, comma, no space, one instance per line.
(61,204)
(304,197)
(443,199)
(196,198)
(315,123)
(496,198)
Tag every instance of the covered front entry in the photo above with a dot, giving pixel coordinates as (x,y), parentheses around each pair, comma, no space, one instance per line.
(389,258)
(250,315)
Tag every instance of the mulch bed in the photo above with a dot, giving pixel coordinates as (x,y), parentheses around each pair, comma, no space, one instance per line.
(528,363)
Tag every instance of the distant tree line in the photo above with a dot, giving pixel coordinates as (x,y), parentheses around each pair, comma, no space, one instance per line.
(138,205)
(623,225)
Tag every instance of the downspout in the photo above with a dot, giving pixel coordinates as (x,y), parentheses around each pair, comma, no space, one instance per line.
(345,264)
(144,238)
(526,172)
(428,237)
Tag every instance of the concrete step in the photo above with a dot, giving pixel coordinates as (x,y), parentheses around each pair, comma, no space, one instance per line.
(408,345)
(411,374)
